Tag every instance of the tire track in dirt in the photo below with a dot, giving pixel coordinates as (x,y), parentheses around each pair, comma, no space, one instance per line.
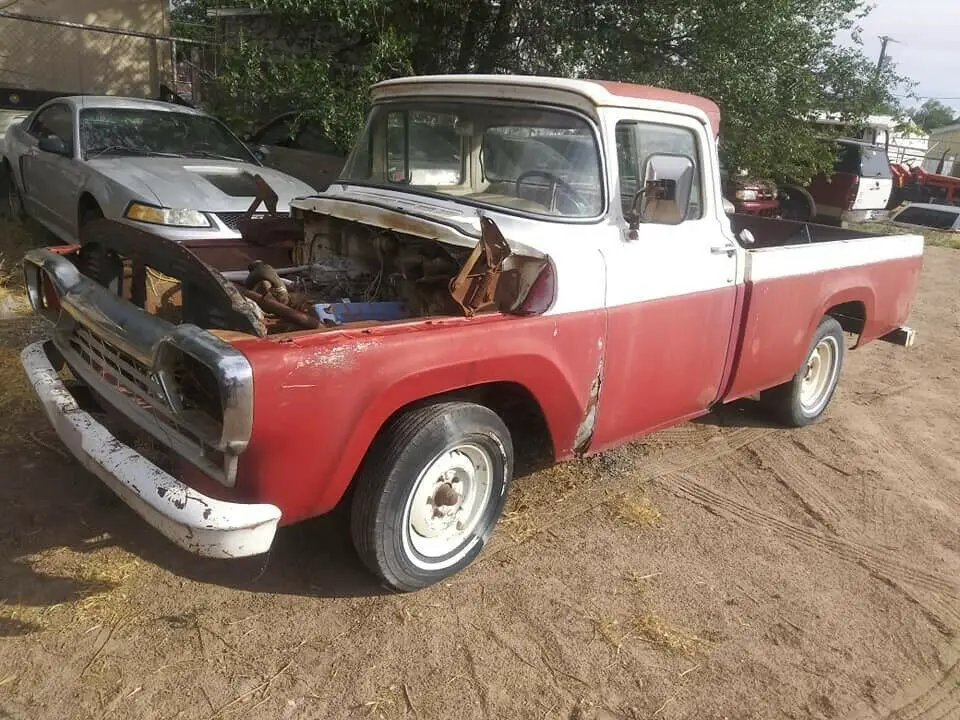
(818,504)
(938,701)
(640,469)
(885,565)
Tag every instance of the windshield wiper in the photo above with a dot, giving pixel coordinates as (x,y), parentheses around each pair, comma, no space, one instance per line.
(127,150)
(213,155)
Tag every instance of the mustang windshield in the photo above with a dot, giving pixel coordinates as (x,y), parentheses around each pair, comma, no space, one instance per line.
(136,131)
(524,157)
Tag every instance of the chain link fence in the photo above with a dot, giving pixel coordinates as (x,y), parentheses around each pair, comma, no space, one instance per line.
(48,56)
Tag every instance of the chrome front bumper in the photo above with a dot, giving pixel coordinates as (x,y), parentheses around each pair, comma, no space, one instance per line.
(198,523)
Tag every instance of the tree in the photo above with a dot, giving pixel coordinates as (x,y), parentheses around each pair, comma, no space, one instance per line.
(770,64)
(933,114)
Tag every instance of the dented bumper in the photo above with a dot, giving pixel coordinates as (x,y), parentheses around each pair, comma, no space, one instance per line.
(198,523)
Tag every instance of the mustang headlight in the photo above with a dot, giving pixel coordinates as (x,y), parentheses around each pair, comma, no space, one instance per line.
(176,217)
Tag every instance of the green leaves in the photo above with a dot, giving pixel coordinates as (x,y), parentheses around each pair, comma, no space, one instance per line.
(933,114)
(770,64)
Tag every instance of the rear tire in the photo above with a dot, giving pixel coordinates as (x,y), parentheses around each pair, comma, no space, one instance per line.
(795,206)
(430,492)
(805,398)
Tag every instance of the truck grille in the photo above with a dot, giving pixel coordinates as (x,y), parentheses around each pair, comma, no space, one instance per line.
(110,371)
(232,219)
(124,373)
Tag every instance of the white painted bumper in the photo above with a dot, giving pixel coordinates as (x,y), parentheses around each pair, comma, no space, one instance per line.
(196,522)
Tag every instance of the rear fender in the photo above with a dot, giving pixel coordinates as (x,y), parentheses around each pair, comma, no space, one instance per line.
(862,294)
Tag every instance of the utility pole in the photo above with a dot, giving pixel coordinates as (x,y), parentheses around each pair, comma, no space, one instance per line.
(884,39)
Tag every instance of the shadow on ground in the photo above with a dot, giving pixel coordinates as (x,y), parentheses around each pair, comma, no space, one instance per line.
(53,503)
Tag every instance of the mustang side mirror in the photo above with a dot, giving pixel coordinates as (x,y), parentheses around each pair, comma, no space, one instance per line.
(53,144)
(259,151)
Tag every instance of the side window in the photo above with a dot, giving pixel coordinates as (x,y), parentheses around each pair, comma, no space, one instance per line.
(312,139)
(848,159)
(279,132)
(628,162)
(636,142)
(54,120)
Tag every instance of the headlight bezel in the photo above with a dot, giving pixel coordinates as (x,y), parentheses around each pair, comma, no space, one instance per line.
(167,217)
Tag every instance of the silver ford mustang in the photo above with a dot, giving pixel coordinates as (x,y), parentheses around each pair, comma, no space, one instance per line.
(171,170)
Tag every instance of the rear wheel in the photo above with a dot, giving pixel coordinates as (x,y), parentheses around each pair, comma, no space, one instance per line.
(430,493)
(795,206)
(805,398)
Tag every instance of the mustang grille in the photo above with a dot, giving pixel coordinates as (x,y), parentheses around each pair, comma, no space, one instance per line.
(232,219)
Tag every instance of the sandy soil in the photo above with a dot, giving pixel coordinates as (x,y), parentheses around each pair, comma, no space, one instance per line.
(721,569)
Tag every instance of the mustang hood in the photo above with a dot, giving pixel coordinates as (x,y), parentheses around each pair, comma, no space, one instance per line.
(206,185)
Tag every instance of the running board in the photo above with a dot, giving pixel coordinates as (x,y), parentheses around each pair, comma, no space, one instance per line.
(903,335)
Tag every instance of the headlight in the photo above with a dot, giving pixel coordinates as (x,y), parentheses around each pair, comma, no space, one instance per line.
(167,216)
(747,195)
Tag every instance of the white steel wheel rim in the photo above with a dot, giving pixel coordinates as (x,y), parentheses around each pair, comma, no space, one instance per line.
(820,375)
(447,503)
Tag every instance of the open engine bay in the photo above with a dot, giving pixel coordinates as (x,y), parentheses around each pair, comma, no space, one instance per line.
(310,273)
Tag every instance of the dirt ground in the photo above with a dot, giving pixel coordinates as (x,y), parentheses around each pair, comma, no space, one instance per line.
(721,569)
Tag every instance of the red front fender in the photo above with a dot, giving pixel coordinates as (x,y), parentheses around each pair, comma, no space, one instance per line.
(321,398)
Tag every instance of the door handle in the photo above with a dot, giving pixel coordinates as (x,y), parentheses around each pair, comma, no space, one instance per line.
(727,250)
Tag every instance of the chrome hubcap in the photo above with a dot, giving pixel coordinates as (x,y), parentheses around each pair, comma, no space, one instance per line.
(820,375)
(449,499)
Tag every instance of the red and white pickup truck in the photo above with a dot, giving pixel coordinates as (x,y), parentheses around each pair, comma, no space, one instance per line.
(496,248)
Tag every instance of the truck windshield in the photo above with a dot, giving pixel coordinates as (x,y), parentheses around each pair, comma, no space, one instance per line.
(139,131)
(523,157)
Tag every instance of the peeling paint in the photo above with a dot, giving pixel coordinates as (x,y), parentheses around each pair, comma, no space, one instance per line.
(333,356)
(203,525)
(581,442)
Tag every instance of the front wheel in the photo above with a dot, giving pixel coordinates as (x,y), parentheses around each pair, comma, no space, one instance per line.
(805,398)
(15,206)
(430,492)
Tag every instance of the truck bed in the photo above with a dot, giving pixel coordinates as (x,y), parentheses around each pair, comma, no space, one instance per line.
(795,273)
(771,232)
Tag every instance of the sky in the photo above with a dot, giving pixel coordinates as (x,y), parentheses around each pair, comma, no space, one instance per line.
(927,48)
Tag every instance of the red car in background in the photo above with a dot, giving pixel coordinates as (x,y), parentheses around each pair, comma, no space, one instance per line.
(858,190)
(750,196)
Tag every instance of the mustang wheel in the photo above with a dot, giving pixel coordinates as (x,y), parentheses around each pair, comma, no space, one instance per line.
(430,492)
(15,206)
(805,398)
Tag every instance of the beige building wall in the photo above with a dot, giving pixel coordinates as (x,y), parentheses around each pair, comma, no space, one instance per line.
(45,57)
(944,140)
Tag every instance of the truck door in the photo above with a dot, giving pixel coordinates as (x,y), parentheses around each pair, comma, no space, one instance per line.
(876,180)
(671,285)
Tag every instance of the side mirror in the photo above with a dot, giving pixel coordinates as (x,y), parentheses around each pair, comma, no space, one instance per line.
(746,237)
(668,187)
(53,144)
(260,151)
